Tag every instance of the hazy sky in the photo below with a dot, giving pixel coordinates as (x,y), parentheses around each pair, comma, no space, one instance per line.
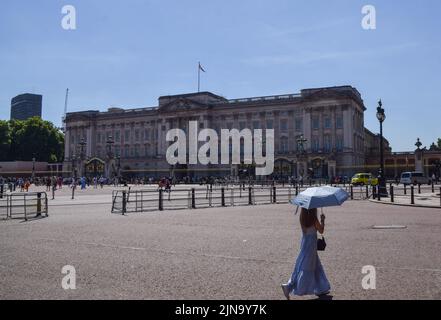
(128,53)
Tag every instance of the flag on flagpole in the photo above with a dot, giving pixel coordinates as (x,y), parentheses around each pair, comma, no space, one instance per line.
(200,67)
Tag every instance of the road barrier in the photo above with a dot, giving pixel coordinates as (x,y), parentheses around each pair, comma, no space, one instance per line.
(124,201)
(24,205)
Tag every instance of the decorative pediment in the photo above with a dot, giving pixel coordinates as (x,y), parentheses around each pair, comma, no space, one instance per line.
(182,104)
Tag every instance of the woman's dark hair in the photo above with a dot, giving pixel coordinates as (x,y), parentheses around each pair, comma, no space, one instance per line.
(308,217)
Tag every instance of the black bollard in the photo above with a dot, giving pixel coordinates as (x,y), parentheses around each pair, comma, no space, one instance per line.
(419,188)
(38,204)
(412,195)
(124,202)
(405,189)
(1,191)
(352,192)
(250,200)
(160,200)
(433,187)
(274,195)
(223,197)
(193,199)
(391,190)
(367,192)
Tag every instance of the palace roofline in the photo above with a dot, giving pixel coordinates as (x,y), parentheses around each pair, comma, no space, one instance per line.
(213,100)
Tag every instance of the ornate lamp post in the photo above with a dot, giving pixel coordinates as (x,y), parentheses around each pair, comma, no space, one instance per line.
(109,144)
(33,169)
(301,141)
(118,166)
(82,145)
(73,160)
(381,179)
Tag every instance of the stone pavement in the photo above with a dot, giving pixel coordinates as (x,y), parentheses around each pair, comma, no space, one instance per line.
(218,253)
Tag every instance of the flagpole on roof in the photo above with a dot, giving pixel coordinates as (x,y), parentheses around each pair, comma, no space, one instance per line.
(199,76)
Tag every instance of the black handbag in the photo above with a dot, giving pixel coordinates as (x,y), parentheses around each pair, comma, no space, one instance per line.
(321,244)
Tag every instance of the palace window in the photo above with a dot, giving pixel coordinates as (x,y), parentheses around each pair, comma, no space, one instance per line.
(117,136)
(339,122)
(327,123)
(127,136)
(269,124)
(315,123)
(256,124)
(315,145)
(283,125)
(299,124)
(327,144)
(339,144)
(137,135)
(284,145)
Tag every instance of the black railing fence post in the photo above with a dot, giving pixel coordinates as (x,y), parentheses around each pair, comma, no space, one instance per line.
(193,199)
(38,204)
(124,202)
(222,197)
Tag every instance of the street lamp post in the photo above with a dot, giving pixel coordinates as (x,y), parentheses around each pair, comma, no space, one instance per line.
(73,160)
(109,144)
(33,169)
(382,182)
(118,167)
(301,141)
(82,145)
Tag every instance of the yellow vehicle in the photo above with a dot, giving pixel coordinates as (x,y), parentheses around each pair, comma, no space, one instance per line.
(361,179)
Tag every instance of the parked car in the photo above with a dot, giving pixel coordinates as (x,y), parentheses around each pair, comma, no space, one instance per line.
(361,179)
(414,178)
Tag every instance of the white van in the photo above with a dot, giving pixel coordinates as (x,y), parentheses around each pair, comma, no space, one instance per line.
(414,178)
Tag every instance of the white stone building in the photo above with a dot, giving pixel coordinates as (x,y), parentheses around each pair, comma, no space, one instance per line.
(331,121)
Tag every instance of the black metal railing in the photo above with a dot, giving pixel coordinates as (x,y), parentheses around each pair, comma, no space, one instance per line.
(126,201)
(27,205)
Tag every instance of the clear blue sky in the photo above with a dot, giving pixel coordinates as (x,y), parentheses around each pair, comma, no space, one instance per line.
(128,53)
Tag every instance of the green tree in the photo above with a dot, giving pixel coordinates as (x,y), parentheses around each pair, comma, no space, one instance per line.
(5,140)
(23,140)
(40,139)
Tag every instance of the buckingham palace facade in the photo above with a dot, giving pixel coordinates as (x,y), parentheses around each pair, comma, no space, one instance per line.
(318,132)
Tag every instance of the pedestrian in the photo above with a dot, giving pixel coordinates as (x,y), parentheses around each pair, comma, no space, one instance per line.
(308,277)
(48,184)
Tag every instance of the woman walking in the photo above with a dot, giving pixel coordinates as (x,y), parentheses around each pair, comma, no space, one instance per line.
(308,277)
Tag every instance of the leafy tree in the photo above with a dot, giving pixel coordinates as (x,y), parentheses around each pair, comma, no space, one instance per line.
(5,140)
(23,140)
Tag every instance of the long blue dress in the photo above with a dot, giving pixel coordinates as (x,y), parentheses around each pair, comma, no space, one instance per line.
(308,277)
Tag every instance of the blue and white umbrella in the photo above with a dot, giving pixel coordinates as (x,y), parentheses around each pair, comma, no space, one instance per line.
(319,197)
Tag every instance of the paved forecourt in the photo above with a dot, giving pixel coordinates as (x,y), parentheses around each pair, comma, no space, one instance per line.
(241,252)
